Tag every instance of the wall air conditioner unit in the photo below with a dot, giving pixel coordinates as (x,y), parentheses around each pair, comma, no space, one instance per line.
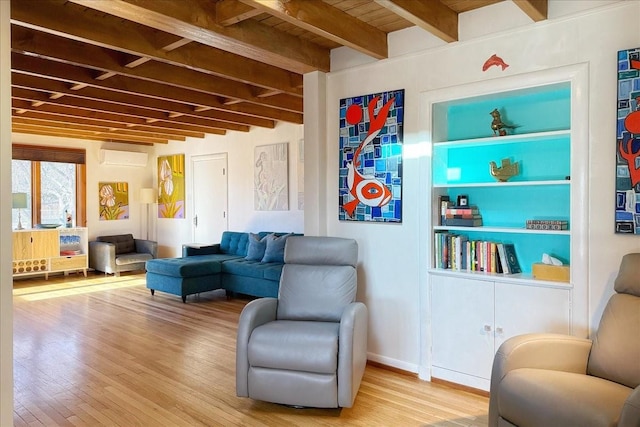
(123,158)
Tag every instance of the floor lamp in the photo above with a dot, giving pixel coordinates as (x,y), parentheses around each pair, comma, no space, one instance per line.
(19,201)
(148,197)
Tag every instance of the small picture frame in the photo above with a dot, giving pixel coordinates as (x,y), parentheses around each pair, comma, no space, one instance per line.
(463,200)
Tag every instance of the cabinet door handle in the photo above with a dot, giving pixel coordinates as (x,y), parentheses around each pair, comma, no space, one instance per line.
(487,328)
(499,330)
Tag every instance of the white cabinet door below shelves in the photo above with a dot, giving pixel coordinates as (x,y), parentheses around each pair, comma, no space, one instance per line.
(523,309)
(460,309)
(471,318)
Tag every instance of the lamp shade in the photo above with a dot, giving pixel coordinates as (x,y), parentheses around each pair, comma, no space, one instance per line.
(147,195)
(19,200)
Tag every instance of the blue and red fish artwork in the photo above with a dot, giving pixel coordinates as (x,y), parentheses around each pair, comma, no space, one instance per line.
(627,219)
(371,157)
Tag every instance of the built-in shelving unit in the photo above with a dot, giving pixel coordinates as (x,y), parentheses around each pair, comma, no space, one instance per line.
(472,312)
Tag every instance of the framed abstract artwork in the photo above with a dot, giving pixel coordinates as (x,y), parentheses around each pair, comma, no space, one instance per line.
(370,157)
(627,218)
(301,174)
(113,200)
(271,177)
(171,186)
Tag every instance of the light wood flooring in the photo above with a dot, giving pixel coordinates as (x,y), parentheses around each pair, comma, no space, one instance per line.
(104,352)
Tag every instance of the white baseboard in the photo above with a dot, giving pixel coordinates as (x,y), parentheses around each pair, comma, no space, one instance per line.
(394,363)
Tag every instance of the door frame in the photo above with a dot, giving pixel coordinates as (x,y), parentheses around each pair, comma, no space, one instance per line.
(202,158)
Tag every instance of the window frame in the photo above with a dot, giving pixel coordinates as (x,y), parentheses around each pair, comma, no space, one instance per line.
(37,154)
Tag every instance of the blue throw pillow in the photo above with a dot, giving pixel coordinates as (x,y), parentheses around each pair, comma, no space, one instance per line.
(256,248)
(275,248)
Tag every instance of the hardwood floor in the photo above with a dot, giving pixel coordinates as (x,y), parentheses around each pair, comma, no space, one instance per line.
(104,352)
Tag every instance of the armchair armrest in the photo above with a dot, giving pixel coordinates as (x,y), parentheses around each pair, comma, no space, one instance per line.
(200,250)
(102,256)
(146,247)
(256,313)
(352,352)
(540,351)
(630,415)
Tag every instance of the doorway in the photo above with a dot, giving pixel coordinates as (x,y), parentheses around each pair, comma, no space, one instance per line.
(210,197)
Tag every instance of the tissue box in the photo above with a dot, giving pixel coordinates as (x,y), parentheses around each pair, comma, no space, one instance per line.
(555,273)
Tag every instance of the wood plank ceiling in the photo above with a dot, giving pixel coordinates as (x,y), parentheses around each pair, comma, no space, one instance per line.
(151,71)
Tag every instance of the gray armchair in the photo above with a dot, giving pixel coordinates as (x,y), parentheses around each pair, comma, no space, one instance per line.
(556,380)
(308,347)
(121,252)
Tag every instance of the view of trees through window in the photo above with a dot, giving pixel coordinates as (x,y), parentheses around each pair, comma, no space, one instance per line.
(53,182)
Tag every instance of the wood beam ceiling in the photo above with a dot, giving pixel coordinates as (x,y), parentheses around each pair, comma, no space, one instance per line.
(150,71)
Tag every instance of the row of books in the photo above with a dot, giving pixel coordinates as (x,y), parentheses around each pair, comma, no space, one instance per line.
(457,252)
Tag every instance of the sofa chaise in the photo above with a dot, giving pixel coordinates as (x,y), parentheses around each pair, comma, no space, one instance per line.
(242,263)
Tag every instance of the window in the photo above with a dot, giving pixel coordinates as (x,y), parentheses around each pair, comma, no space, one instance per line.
(54,181)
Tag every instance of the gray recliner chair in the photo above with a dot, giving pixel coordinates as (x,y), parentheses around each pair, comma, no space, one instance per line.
(556,380)
(308,347)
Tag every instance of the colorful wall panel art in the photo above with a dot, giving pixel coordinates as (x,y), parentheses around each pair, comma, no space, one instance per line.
(627,219)
(370,174)
(171,186)
(114,200)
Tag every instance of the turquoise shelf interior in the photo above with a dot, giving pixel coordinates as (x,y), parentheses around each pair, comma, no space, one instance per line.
(513,206)
(538,109)
(544,160)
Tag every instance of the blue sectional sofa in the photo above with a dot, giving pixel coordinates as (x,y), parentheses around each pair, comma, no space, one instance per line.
(243,263)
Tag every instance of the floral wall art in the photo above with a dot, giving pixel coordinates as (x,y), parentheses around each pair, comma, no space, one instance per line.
(271,177)
(171,186)
(370,173)
(114,200)
(628,143)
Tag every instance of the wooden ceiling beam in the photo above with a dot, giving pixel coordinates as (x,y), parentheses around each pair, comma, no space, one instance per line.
(92,93)
(254,115)
(73,52)
(196,20)
(82,134)
(86,26)
(229,12)
(535,9)
(329,22)
(431,16)
(61,124)
(39,114)
(251,114)
(110,118)
(108,107)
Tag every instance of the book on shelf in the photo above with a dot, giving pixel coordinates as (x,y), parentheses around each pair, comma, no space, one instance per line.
(512,258)
(443,203)
(464,222)
(462,210)
(503,259)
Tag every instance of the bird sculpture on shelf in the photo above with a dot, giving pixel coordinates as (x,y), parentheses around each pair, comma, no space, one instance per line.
(505,171)
(497,125)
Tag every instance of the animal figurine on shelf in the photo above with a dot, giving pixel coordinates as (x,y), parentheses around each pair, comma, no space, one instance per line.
(497,125)
(505,171)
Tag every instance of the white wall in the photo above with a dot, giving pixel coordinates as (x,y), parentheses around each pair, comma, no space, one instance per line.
(391,274)
(6,284)
(239,146)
